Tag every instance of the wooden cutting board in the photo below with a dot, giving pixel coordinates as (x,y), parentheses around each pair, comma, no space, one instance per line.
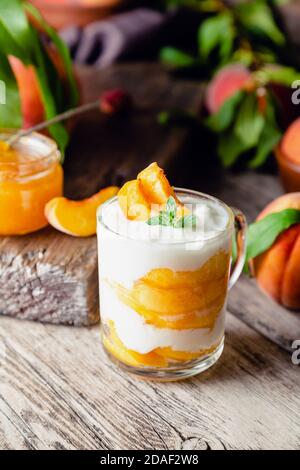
(51,277)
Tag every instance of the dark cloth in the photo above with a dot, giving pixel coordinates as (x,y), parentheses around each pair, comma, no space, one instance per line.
(133,35)
(107,41)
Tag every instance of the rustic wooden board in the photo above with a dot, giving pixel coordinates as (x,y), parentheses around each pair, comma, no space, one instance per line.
(51,277)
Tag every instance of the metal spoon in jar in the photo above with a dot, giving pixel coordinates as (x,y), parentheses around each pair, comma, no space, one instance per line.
(110,102)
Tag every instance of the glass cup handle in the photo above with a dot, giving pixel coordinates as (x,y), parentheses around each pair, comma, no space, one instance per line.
(240,224)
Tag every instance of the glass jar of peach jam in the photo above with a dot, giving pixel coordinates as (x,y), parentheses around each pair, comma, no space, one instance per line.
(30,175)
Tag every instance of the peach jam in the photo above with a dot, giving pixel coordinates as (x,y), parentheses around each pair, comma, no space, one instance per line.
(30,175)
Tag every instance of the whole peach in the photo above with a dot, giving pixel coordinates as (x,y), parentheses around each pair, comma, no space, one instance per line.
(277,270)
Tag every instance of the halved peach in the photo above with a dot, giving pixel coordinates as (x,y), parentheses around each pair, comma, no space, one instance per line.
(133,202)
(77,218)
(115,346)
(155,184)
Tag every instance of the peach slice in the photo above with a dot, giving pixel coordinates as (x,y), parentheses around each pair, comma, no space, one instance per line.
(204,319)
(155,184)
(4,146)
(216,267)
(133,202)
(148,193)
(183,356)
(178,301)
(77,218)
(115,346)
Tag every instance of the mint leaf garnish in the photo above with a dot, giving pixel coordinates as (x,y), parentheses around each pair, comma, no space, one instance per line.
(167,217)
(154,220)
(171,207)
(189,220)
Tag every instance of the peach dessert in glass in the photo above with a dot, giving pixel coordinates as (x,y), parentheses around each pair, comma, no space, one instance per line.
(30,175)
(164,268)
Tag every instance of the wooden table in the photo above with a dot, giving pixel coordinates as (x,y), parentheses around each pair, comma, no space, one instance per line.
(59,391)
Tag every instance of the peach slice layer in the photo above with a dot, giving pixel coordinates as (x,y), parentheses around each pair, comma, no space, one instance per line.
(77,218)
(183,356)
(204,319)
(179,300)
(151,188)
(159,357)
(115,346)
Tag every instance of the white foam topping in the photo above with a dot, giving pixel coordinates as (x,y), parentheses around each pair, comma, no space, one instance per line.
(211,219)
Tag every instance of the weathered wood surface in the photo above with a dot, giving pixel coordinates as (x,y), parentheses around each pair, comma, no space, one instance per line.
(59,391)
(51,277)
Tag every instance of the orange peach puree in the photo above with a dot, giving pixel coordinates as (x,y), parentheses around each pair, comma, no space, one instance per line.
(26,185)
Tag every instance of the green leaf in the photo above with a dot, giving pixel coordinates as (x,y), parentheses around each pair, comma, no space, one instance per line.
(214,32)
(278,74)
(230,147)
(62,50)
(163,218)
(269,138)
(249,122)
(221,120)
(257,17)
(171,207)
(262,234)
(186,221)
(176,58)
(10,47)
(10,112)
(244,56)
(14,20)
(155,220)
(57,131)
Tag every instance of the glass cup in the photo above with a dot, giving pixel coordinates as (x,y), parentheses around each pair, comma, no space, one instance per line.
(163,301)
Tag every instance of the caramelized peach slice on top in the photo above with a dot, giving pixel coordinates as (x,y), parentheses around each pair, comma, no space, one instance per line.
(149,192)
(77,218)
(216,267)
(133,202)
(115,346)
(155,184)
